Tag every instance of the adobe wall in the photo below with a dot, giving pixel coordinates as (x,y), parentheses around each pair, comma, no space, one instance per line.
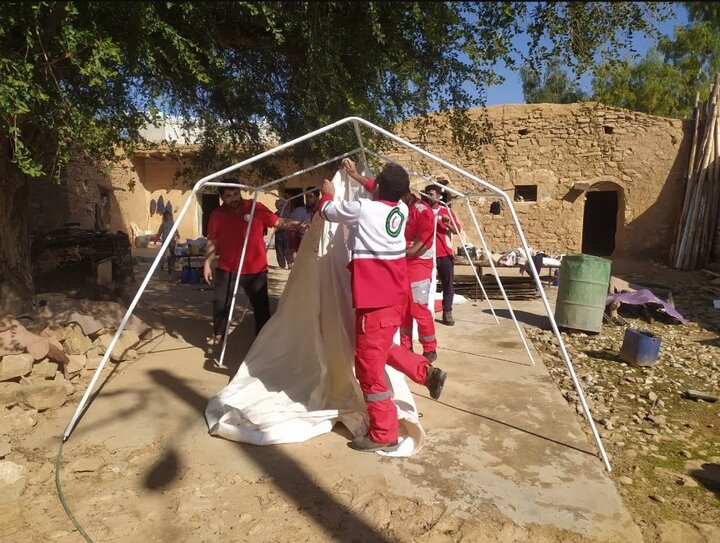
(555,146)
(549,145)
(126,190)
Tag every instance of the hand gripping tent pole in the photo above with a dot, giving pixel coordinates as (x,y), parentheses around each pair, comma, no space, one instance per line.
(460,234)
(309,135)
(536,277)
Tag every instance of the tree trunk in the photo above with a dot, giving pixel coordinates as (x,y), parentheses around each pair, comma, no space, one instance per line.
(16,285)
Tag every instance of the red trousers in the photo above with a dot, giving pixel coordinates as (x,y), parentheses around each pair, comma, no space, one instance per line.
(374,347)
(418,310)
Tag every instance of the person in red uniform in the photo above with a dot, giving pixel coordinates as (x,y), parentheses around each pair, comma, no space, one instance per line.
(379,289)
(226,235)
(419,236)
(445,261)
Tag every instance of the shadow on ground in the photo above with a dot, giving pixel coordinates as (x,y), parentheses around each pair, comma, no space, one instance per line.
(316,503)
(532,319)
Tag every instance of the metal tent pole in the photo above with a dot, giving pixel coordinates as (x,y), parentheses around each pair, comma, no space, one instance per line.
(486,249)
(405,143)
(237,279)
(462,240)
(518,228)
(133,304)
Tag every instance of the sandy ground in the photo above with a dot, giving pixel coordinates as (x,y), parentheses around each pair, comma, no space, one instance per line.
(506,459)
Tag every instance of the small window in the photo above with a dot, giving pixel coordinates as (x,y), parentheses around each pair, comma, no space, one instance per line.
(608,129)
(526,193)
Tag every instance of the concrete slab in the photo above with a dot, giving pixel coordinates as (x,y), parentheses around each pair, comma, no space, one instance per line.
(502,445)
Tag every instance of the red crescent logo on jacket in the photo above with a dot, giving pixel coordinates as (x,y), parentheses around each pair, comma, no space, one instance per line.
(394,222)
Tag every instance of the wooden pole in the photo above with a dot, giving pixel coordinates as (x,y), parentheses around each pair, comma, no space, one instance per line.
(714,193)
(688,250)
(689,171)
(690,189)
(688,234)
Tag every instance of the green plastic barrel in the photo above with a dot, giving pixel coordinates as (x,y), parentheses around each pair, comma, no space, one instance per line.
(582,292)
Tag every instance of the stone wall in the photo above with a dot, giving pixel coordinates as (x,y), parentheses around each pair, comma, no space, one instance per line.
(112,197)
(553,147)
(556,147)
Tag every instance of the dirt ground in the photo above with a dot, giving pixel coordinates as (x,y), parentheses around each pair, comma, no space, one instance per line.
(136,485)
(665,449)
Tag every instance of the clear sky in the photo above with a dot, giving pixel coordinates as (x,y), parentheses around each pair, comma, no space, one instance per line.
(510,92)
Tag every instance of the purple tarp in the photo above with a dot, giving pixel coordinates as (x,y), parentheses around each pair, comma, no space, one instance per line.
(642,297)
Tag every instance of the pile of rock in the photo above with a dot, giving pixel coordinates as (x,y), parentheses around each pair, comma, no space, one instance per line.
(30,385)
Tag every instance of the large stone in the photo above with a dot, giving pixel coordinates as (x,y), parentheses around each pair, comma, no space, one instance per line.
(77,343)
(42,396)
(9,394)
(126,341)
(13,480)
(75,364)
(18,419)
(67,385)
(5,447)
(44,369)
(15,365)
(93,362)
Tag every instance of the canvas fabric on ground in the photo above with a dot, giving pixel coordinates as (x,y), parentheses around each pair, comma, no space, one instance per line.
(297,379)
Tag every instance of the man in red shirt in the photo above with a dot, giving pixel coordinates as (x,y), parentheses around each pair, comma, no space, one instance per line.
(226,235)
(445,261)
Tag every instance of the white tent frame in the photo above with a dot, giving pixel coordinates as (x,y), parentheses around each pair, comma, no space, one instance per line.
(467,255)
(356,122)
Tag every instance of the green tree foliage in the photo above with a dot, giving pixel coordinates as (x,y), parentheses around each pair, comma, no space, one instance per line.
(666,80)
(554,86)
(89,75)
(84,77)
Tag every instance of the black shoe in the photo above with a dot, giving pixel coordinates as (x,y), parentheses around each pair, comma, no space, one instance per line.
(431,356)
(365,444)
(435,381)
(447,318)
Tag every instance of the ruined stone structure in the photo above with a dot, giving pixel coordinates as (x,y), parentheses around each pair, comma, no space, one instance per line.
(583,177)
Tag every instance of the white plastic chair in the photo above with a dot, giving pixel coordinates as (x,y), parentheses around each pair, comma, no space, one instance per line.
(141,238)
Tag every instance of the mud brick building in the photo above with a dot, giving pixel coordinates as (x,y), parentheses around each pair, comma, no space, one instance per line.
(583,177)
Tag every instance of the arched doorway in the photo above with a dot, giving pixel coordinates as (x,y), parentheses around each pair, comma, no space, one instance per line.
(603,218)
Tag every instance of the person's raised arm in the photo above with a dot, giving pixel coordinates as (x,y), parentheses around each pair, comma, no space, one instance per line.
(351,169)
(335,210)
(448,223)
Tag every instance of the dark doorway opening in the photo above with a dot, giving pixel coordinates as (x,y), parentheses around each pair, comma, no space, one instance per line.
(208,203)
(600,223)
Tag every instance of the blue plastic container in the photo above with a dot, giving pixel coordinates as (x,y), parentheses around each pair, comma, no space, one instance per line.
(640,348)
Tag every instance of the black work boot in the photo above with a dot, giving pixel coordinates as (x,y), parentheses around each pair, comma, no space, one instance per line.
(435,381)
(447,318)
(365,444)
(431,356)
